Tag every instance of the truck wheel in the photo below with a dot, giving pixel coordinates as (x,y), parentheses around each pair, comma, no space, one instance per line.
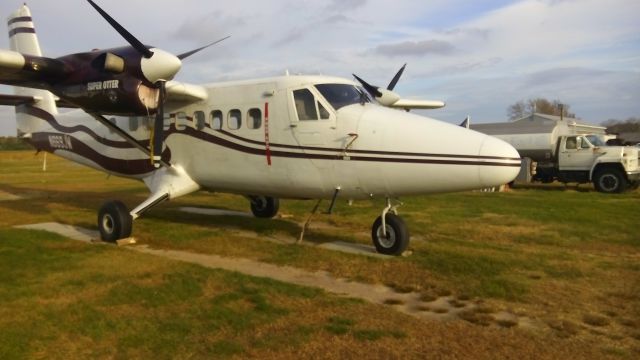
(610,181)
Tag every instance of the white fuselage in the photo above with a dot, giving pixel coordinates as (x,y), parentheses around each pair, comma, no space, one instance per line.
(361,148)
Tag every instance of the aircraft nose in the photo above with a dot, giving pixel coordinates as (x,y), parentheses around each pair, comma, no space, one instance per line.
(503,162)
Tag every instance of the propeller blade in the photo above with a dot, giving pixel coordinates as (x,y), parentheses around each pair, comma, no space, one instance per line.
(158,128)
(370,88)
(394,82)
(142,49)
(189,53)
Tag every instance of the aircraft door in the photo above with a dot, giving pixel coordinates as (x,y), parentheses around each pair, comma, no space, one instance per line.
(312,123)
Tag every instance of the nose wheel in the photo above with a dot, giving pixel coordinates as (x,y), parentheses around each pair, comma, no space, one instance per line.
(392,237)
(389,233)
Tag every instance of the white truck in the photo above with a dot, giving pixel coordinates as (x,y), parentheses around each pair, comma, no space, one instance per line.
(560,149)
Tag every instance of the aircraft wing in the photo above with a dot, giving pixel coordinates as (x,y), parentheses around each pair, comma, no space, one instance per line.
(408,104)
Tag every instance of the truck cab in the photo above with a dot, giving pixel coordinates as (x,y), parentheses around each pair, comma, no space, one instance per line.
(586,158)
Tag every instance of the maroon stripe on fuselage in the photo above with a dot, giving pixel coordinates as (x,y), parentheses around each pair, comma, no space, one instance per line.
(337,156)
(21,30)
(363,152)
(136,167)
(50,119)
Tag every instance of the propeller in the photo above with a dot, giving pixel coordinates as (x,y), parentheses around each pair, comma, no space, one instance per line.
(158,67)
(189,53)
(386,96)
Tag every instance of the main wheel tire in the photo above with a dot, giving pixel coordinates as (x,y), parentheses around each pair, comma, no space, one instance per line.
(397,235)
(264,206)
(114,221)
(610,181)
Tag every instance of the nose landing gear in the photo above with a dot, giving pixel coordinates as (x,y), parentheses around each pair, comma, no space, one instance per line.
(389,233)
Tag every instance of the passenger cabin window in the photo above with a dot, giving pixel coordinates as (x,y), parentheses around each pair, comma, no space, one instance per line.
(199,119)
(254,117)
(216,119)
(133,123)
(234,120)
(166,124)
(305,105)
(181,120)
(572,143)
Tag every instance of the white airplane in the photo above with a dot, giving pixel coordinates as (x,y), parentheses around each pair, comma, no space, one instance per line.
(302,137)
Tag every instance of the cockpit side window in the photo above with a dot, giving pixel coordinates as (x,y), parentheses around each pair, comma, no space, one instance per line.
(305,105)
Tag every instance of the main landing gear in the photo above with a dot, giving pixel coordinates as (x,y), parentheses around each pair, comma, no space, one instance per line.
(389,233)
(114,221)
(264,206)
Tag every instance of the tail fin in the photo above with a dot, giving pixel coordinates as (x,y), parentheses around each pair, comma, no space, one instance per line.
(23,39)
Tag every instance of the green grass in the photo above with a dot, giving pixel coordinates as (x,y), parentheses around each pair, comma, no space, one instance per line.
(550,253)
(56,292)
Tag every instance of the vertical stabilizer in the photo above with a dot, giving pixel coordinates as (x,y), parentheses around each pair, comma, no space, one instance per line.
(23,39)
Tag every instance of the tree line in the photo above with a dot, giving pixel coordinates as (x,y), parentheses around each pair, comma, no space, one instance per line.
(524,108)
(13,143)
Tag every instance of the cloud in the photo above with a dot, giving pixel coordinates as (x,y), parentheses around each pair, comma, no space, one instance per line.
(345,5)
(416,48)
(207,26)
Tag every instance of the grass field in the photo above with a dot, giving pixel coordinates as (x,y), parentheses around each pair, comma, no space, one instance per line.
(569,258)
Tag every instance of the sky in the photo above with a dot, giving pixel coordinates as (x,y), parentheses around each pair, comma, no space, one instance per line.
(479,57)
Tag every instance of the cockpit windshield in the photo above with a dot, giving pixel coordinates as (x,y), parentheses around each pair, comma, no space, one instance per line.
(341,95)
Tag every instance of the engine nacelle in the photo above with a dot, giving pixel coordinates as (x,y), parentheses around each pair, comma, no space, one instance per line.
(108,82)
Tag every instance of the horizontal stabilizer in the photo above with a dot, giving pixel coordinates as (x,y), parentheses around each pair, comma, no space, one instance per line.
(30,71)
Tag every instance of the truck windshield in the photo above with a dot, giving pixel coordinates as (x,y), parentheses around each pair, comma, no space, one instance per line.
(595,140)
(341,95)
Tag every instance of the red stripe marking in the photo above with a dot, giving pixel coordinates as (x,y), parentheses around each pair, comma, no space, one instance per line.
(266,133)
